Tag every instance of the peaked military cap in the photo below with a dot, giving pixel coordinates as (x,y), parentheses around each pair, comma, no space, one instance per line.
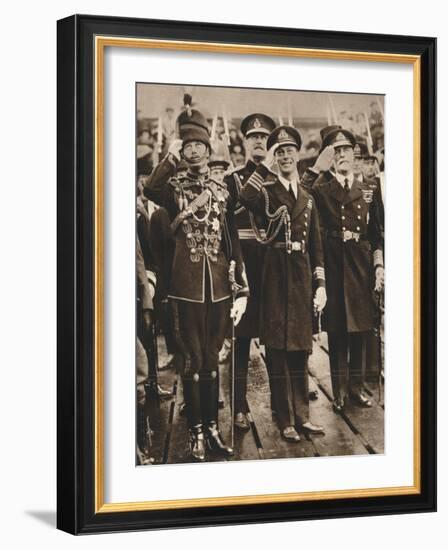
(337,136)
(193,127)
(257,123)
(218,163)
(284,135)
(360,150)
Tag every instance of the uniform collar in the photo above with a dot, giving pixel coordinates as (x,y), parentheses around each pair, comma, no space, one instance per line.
(341,179)
(286,183)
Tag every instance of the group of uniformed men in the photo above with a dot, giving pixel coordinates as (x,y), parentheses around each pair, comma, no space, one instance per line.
(269,251)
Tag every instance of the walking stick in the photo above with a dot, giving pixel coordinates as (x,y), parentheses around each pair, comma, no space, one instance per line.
(234,287)
(380,297)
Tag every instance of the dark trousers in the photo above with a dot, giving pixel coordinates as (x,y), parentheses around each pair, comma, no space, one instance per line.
(164,316)
(289,386)
(242,351)
(242,356)
(201,332)
(347,362)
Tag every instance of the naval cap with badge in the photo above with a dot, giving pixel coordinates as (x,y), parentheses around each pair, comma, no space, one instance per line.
(193,126)
(337,137)
(284,135)
(257,123)
(218,163)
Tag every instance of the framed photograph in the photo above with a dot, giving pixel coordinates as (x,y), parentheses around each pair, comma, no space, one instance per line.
(246,279)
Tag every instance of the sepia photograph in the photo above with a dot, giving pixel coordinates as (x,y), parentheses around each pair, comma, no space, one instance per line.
(260,274)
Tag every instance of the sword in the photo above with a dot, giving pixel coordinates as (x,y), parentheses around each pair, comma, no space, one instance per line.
(234,287)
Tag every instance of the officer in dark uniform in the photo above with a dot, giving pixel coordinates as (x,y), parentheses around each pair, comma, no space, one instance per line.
(256,129)
(293,275)
(353,261)
(206,241)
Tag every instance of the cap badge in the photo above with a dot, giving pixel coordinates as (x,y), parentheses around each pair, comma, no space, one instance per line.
(282,135)
(257,123)
(340,136)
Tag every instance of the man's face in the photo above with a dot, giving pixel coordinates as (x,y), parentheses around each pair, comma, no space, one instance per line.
(287,157)
(195,152)
(358,165)
(256,146)
(217,173)
(369,168)
(344,159)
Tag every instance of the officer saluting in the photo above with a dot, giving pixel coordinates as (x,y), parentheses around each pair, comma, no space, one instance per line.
(353,262)
(202,219)
(293,274)
(256,129)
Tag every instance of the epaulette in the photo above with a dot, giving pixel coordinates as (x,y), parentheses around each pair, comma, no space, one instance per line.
(271,178)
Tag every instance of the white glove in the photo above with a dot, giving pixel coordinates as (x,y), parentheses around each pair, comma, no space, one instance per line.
(175,148)
(269,160)
(320,299)
(238,309)
(379,279)
(325,160)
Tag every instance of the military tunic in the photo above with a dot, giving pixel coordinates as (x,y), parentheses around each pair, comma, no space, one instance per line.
(349,262)
(287,297)
(253,252)
(201,214)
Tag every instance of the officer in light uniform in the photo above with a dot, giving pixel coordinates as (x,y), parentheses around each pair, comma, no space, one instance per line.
(206,241)
(351,233)
(293,282)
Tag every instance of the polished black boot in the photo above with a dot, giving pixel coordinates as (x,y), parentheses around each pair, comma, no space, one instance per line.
(143,437)
(215,441)
(197,444)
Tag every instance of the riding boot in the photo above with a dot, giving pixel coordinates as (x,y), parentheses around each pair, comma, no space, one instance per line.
(192,398)
(209,396)
(215,441)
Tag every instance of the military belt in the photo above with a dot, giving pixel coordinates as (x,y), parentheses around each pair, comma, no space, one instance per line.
(293,246)
(346,235)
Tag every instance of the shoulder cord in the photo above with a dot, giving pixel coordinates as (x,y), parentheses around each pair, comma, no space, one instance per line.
(276,220)
(281,215)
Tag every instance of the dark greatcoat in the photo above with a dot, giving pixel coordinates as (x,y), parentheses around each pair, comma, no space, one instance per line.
(253,252)
(348,265)
(286,313)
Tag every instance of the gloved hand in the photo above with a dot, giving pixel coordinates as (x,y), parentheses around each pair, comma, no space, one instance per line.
(238,309)
(320,299)
(379,279)
(325,160)
(269,160)
(175,148)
